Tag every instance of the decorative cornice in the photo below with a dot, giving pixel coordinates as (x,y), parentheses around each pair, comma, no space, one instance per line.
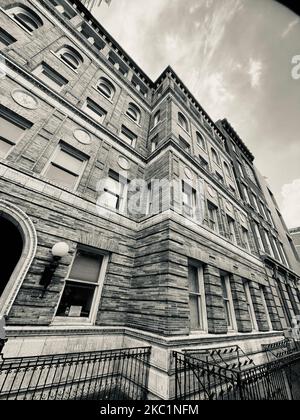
(233,134)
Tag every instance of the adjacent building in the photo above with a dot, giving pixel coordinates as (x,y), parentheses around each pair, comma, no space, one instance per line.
(175,239)
(295,234)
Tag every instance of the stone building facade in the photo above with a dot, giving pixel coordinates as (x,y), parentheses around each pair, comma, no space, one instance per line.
(175,238)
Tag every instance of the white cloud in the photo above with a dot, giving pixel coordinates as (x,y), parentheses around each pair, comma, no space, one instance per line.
(290,27)
(255,72)
(291,203)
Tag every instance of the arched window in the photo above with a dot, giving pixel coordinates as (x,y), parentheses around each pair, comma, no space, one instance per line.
(106,88)
(227,169)
(26,17)
(215,156)
(201,141)
(134,113)
(70,56)
(183,121)
(156,119)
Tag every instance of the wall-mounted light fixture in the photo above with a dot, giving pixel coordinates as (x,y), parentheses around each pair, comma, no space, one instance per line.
(59,250)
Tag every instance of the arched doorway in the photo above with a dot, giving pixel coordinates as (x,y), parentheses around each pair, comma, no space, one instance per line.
(17,250)
(11,247)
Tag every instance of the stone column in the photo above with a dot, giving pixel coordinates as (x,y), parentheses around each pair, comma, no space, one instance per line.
(243,319)
(261,316)
(216,316)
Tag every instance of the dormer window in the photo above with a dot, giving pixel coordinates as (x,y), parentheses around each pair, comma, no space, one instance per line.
(106,88)
(71,57)
(26,17)
(182,121)
(134,113)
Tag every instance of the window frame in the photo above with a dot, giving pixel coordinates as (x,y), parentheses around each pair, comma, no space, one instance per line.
(212,209)
(16,120)
(88,109)
(185,124)
(44,70)
(132,136)
(201,299)
(266,309)
(250,306)
(135,109)
(228,303)
(73,152)
(91,320)
(109,85)
(121,197)
(201,142)
(6,36)
(215,157)
(27,11)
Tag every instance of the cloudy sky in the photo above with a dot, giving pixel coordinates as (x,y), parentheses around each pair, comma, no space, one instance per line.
(236,57)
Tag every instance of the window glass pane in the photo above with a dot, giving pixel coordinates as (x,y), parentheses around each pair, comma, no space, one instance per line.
(61,177)
(224,288)
(113,186)
(194,312)
(4,147)
(76,300)
(69,162)
(193,279)
(110,200)
(86,267)
(10,131)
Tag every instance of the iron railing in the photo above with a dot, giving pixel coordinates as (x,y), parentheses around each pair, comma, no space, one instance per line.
(105,375)
(197,379)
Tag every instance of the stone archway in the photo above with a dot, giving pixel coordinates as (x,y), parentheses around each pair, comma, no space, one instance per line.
(22,230)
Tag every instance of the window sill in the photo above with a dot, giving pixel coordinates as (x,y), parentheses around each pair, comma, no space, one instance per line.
(63,321)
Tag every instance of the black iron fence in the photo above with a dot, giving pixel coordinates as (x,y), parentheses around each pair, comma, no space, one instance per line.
(197,379)
(105,375)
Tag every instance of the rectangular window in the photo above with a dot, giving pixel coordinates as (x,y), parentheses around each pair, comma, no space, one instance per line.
(66,166)
(264,301)
(114,191)
(50,77)
(154,143)
(271,252)
(246,194)
(128,136)
(212,216)
(270,218)
(250,306)
(255,202)
(246,238)
(94,110)
(81,294)
(231,225)
(283,304)
(259,238)
(220,178)
(284,257)
(188,200)
(228,302)
(5,38)
(183,143)
(12,129)
(197,302)
(203,162)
